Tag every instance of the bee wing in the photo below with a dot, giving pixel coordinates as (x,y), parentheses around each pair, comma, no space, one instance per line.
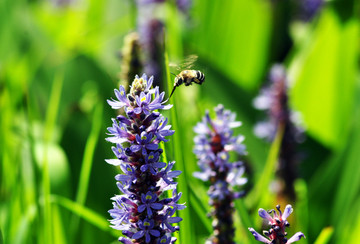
(175,66)
(189,61)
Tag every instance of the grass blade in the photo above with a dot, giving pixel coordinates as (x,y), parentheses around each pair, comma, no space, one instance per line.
(259,195)
(51,116)
(83,212)
(88,160)
(325,235)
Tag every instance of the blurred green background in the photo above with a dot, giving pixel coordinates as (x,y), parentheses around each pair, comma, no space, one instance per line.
(59,64)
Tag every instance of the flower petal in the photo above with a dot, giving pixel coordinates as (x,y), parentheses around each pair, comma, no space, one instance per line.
(151,146)
(121,177)
(295,237)
(204,176)
(259,237)
(288,210)
(155,233)
(265,215)
(174,220)
(156,206)
(149,81)
(115,104)
(141,208)
(148,211)
(137,110)
(116,139)
(135,148)
(174,173)
(115,162)
(138,234)
(147,237)
(125,240)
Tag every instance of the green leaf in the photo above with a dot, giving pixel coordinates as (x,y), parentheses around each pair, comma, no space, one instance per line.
(324,71)
(243,214)
(186,232)
(346,197)
(301,207)
(82,211)
(50,123)
(325,235)
(260,195)
(198,202)
(234,36)
(60,235)
(88,159)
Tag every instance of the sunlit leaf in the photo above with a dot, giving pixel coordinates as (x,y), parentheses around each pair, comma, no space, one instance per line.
(324,72)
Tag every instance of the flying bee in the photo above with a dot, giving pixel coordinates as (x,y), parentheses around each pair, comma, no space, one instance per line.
(188,76)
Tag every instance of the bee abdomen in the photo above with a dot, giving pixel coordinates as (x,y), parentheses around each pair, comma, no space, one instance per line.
(200,76)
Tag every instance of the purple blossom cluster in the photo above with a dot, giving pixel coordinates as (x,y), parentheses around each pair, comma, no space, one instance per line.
(142,212)
(277,223)
(274,100)
(213,143)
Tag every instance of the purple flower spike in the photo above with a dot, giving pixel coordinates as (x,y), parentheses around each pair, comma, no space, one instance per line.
(213,143)
(141,212)
(278,222)
(273,99)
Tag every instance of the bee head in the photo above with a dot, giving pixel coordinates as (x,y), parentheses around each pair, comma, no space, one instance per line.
(178,80)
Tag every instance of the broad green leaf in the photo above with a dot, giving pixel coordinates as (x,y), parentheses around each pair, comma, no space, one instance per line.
(323,71)
(234,36)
